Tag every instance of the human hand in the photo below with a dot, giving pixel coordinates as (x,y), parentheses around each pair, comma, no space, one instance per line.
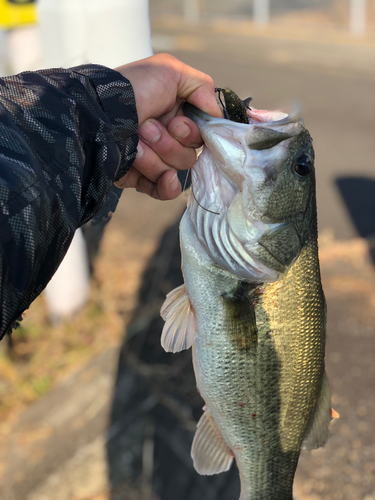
(167,138)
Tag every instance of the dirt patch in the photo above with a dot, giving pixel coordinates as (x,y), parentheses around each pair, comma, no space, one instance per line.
(44,355)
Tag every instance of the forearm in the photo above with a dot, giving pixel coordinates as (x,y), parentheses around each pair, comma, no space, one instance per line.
(65,135)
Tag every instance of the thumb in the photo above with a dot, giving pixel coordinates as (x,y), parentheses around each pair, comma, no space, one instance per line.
(198,89)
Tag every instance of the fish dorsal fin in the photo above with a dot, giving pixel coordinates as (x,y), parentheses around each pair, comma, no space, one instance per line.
(317,432)
(210,453)
(180,327)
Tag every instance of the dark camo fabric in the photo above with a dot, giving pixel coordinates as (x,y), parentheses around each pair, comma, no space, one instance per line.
(65,135)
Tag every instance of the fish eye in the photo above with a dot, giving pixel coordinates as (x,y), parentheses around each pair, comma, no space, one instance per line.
(303,166)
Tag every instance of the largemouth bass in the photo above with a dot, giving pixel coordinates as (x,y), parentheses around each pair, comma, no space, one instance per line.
(252,305)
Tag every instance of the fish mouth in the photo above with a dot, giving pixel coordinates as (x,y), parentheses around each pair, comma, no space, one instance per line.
(217,134)
(203,120)
(256,116)
(197,114)
(234,145)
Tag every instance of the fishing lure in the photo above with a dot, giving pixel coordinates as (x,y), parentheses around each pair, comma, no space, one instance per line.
(234,108)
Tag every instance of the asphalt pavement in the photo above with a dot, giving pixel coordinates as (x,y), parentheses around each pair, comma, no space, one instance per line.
(332,82)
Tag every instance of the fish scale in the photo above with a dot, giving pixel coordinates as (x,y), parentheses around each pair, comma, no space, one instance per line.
(288,355)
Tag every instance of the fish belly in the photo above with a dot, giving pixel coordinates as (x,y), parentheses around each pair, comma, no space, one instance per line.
(259,364)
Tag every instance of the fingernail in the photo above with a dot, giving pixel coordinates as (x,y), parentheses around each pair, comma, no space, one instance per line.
(181,130)
(174,183)
(149,132)
(140,150)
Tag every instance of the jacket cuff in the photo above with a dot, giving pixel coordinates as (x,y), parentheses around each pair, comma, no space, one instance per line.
(116,96)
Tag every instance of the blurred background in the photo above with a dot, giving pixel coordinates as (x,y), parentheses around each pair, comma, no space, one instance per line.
(90,406)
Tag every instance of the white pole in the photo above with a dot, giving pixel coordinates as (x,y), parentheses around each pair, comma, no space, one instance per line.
(261,12)
(68,290)
(357,17)
(24,49)
(192,11)
(108,32)
(4,58)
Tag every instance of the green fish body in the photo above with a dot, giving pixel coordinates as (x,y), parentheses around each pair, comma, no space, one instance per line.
(252,306)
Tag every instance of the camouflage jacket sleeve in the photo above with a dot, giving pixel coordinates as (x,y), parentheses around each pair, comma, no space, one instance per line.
(65,135)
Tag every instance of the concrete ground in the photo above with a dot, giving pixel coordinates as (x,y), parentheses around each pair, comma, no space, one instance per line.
(67,446)
(332,81)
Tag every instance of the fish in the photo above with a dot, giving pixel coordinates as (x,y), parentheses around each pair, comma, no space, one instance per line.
(252,307)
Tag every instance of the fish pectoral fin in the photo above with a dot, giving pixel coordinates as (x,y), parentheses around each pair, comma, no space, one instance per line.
(210,453)
(317,431)
(180,327)
(334,414)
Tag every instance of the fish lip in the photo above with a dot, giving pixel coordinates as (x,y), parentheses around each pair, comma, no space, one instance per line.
(203,119)
(200,117)
(197,114)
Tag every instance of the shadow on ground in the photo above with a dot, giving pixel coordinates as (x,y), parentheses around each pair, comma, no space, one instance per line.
(62,448)
(358,194)
(156,404)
